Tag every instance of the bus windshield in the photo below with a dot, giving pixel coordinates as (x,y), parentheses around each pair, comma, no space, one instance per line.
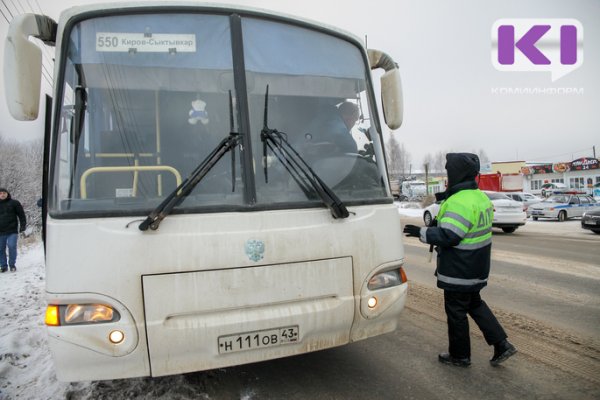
(145,98)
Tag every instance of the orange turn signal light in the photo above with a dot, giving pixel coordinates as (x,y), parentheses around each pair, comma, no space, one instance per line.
(403,276)
(52,315)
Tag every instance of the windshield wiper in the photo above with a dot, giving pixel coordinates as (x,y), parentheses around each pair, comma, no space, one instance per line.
(298,168)
(176,196)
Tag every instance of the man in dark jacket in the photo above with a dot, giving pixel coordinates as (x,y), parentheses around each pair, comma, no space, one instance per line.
(463,240)
(334,126)
(12,221)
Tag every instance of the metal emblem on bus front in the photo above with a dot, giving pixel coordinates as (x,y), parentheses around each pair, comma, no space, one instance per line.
(255,249)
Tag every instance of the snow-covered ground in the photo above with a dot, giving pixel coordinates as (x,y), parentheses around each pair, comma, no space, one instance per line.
(26,370)
(409,209)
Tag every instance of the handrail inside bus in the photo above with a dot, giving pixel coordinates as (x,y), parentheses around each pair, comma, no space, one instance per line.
(131,168)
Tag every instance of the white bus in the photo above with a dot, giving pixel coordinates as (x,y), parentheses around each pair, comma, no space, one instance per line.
(201,209)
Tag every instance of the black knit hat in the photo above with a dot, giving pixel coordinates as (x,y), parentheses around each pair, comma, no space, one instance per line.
(3,190)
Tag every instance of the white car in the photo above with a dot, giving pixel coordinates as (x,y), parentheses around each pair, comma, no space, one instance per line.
(563,206)
(526,198)
(553,188)
(508,214)
(430,213)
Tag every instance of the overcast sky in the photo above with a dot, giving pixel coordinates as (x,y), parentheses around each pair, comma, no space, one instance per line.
(455,100)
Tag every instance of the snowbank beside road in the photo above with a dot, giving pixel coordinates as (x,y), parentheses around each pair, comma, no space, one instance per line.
(26,369)
(409,209)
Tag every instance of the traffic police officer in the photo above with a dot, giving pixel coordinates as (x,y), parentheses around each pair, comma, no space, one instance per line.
(463,240)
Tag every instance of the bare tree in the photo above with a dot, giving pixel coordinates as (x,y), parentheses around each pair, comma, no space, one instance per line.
(398,158)
(21,174)
(439,162)
(436,162)
(483,158)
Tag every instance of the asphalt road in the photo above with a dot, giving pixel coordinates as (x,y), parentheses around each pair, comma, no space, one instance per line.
(544,289)
(549,271)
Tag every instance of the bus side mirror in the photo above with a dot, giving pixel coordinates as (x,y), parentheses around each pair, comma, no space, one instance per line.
(23,64)
(391,98)
(391,87)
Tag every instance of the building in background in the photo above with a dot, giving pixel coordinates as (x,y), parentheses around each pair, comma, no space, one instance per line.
(582,174)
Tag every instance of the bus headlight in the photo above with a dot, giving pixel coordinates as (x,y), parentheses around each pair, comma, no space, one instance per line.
(78,314)
(384,290)
(387,279)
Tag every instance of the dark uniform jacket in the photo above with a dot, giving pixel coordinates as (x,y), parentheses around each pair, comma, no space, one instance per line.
(12,216)
(464,233)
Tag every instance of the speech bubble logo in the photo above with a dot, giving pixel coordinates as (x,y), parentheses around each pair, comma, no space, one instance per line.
(552,45)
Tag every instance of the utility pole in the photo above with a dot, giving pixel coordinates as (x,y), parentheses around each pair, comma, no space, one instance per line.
(427,179)
(594,149)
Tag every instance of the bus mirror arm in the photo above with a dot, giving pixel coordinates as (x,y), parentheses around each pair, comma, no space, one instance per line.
(391,87)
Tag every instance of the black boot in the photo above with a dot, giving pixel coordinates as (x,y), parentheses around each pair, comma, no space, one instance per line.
(502,351)
(446,358)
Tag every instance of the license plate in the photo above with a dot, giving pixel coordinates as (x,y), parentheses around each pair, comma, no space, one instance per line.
(258,339)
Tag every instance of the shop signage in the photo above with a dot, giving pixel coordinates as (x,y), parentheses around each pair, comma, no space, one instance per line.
(561,167)
(581,164)
(585,163)
(537,169)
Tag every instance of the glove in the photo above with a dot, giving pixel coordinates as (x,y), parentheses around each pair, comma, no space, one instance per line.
(412,230)
(434,222)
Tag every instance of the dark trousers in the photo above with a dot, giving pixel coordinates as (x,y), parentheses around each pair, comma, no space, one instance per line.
(458,305)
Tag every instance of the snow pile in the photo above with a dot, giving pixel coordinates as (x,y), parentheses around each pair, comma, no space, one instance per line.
(26,369)
(409,209)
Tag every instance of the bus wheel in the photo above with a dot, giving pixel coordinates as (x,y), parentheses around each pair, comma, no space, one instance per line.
(562,216)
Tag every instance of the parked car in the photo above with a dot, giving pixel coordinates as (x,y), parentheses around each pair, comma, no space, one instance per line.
(591,220)
(596,191)
(508,213)
(430,213)
(551,188)
(526,198)
(563,206)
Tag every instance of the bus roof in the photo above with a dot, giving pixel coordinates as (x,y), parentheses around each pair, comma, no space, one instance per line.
(71,12)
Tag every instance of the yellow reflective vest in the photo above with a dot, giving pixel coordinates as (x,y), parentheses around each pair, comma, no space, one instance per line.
(464,240)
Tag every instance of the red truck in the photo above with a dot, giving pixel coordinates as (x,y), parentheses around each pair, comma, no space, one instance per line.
(501,182)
